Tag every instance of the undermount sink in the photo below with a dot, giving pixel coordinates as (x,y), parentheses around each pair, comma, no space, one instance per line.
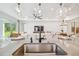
(43,48)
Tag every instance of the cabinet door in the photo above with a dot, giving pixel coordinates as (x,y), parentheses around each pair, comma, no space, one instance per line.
(19,51)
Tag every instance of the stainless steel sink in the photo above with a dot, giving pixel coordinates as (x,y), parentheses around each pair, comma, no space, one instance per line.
(43,48)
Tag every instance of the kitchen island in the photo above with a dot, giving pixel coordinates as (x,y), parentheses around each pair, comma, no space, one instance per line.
(69,46)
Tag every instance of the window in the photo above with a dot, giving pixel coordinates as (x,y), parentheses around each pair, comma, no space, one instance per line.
(9,27)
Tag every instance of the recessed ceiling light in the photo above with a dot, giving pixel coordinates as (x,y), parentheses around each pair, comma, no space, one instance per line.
(52,9)
(69,9)
(60,11)
(39,11)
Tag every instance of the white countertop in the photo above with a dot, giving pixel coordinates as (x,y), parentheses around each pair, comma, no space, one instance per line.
(69,46)
(11,47)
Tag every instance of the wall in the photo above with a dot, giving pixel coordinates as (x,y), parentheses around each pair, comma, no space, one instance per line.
(1,28)
(5,18)
(51,26)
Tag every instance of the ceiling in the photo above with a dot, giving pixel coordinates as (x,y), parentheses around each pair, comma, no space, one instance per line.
(49,10)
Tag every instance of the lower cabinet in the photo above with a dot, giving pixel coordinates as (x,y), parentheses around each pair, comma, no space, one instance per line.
(19,51)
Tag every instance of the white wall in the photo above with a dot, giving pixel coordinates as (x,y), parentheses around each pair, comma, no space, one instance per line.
(5,18)
(1,28)
(52,26)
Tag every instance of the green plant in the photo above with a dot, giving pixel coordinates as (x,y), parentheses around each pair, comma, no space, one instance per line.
(9,27)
